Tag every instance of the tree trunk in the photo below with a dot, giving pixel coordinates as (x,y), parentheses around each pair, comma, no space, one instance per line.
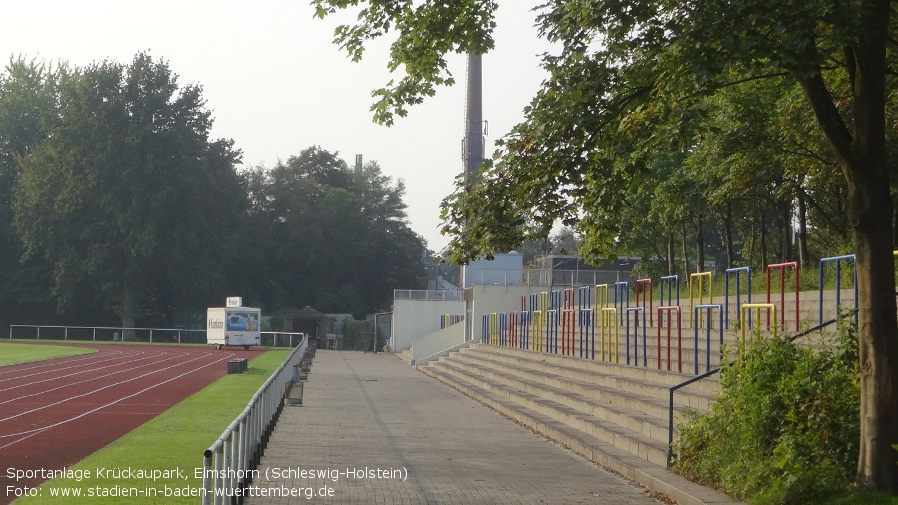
(685,253)
(728,235)
(699,246)
(862,153)
(878,338)
(763,226)
(804,256)
(786,232)
(671,255)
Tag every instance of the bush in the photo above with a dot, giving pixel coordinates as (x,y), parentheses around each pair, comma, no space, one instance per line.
(785,428)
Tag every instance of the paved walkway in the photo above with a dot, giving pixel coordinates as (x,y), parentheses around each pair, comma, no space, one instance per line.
(375,431)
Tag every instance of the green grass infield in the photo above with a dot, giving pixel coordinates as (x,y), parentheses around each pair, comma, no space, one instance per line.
(161,461)
(13,352)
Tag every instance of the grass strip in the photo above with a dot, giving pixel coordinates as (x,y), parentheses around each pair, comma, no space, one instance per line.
(170,445)
(13,353)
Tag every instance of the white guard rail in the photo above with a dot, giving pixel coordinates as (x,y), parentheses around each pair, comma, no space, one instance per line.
(229,463)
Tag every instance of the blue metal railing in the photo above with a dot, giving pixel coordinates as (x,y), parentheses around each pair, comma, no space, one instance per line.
(838,261)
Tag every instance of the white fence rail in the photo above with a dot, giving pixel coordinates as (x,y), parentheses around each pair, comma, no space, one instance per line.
(155,335)
(427,294)
(229,464)
(105,333)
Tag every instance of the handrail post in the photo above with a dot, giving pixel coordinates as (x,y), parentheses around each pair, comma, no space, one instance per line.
(669,311)
(758,306)
(636,311)
(621,288)
(708,309)
(639,287)
(782,268)
(586,323)
(726,289)
(838,261)
(701,296)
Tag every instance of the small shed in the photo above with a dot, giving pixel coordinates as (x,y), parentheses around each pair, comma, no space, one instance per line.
(309,321)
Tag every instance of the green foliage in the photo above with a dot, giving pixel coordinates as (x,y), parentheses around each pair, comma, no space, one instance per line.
(785,427)
(420,43)
(126,193)
(790,99)
(358,335)
(115,203)
(335,237)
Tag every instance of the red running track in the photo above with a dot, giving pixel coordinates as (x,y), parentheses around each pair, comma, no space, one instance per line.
(54,413)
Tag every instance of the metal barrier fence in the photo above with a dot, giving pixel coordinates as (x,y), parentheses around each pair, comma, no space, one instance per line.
(428,295)
(229,463)
(586,322)
(281,339)
(769,307)
(152,335)
(106,333)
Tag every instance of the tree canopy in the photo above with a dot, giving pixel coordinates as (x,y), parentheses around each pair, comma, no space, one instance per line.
(687,110)
(336,236)
(116,202)
(127,192)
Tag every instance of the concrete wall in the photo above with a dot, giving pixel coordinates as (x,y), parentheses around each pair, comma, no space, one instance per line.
(489,299)
(436,344)
(415,319)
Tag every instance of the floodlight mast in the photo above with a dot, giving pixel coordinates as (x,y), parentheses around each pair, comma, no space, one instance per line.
(472,154)
(472,144)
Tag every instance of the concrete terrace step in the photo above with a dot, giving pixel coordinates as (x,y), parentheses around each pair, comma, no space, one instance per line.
(635,395)
(621,406)
(405,356)
(626,413)
(606,431)
(590,370)
(630,412)
(653,477)
(627,349)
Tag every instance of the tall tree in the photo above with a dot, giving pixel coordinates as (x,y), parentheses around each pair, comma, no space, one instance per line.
(26,101)
(127,193)
(341,239)
(626,67)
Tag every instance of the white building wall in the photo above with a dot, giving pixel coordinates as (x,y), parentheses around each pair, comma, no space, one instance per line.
(415,319)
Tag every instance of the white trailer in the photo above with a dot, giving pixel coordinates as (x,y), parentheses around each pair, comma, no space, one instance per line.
(233,326)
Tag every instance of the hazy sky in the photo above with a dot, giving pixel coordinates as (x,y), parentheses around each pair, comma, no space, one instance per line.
(276,84)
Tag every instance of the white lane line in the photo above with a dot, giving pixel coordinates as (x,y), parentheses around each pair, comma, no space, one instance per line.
(31,433)
(70,384)
(43,407)
(113,358)
(60,377)
(18,368)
